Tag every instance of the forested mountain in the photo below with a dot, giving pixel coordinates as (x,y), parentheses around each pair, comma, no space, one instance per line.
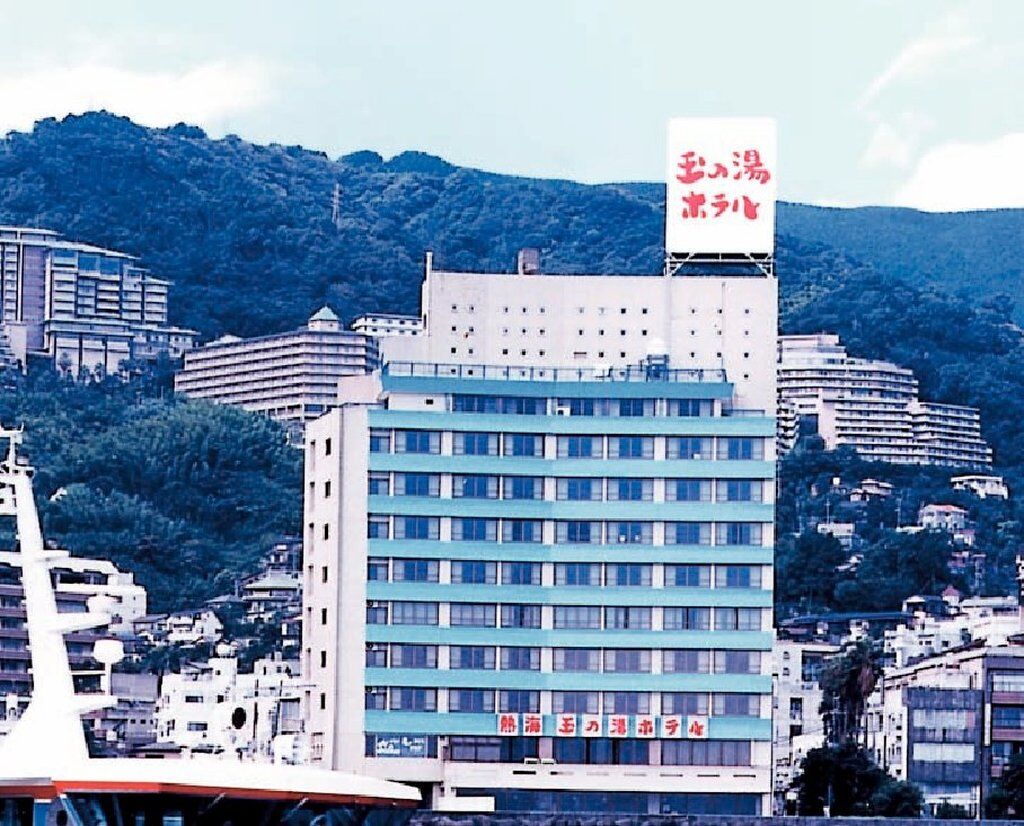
(245,232)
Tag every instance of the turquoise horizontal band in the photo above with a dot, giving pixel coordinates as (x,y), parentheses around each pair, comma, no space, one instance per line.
(570,594)
(434,385)
(585,425)
(543,509)
(562,638)
(535,552)
(531,466)
(418,722)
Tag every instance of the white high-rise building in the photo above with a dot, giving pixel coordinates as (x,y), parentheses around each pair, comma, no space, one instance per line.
(538,544)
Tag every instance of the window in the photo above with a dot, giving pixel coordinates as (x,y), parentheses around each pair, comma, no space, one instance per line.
(688,490)
(738,533)
(688,447)
(415,570)
(737,576)
(417,441)
(627,619)
(476,615)
(687,619)
(705,753)
(577,617)
(519,701)
(740,490)
(575,702)
(473,529)
(508,405)
(376,613)
(578,490)
(737,662)
(627,660)
(523,487)
(417,484)
(416,527)
(413,656)
(520,573)
(626,702)
(466,749)
(473,572)
(578,407)
(630,533)
(576,659)
(521,530)
(376,655)
(687,533)
(520,616)
(691,407)
(520,659)
(577,573)
(378,483)
(578,532)
(580,447)
(688,576)
(740,448)
(737,705)
(475,444)
(378,527)
(630,447)
(476,657)
(686,661)
(684,703)
(474,487)
(375,698)
(634,407)
(380,441)
(523,444)
(631,574)
(737,619)
(414,613)
(413,699)
(630,490)
(376,569)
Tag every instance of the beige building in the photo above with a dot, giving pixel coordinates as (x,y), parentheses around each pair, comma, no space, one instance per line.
(291,377)
(85,308)
(871,406)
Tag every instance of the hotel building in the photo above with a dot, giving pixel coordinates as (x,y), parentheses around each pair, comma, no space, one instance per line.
(85,308)
(291,377)
(871,406)
(550,586)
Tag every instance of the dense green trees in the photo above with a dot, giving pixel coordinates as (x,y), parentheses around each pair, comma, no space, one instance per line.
(186,495)
(844,779)
(1007,796)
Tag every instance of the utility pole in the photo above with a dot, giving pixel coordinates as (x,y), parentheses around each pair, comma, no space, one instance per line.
(336,206)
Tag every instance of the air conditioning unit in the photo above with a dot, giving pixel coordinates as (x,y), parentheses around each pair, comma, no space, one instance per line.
(563,410)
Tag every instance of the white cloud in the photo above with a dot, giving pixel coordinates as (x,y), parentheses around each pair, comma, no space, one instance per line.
(204,94)
(961,176)
(894,142)
(921,56)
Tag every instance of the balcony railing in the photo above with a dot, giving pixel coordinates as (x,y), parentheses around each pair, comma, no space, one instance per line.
(497,372)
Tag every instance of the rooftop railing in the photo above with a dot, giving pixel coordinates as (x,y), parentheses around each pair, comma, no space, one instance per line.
(497,372)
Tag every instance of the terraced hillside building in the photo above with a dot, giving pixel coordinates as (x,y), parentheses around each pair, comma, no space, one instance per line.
(87,309)
(291,377)
(871,406)
(544,581)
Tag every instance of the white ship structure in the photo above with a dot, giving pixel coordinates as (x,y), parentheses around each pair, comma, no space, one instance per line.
(48,777)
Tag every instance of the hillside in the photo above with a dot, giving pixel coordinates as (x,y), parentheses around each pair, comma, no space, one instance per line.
(186,495)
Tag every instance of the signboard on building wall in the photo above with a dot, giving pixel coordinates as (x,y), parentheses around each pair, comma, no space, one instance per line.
(720,185)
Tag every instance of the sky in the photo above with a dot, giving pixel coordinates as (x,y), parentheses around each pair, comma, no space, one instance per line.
(892,102)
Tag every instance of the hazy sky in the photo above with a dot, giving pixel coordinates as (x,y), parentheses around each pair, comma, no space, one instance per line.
(916,102)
